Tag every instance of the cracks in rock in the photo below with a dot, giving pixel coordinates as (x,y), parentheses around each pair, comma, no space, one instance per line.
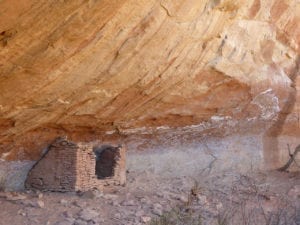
(271,142)
(220,49)
(219,52)
(165,9)
(210,166)
(177,19)
(211,5)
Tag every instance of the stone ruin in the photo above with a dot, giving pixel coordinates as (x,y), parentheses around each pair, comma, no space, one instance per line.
(69,166)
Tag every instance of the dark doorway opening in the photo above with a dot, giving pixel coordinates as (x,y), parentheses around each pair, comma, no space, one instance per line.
(105,161)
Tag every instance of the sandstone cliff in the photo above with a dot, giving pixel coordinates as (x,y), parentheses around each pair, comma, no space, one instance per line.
(84,68)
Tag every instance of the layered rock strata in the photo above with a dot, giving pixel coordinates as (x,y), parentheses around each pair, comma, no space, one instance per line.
(87,68)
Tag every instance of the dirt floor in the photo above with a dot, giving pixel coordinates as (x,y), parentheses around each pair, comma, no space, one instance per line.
(223,198)
(215,182)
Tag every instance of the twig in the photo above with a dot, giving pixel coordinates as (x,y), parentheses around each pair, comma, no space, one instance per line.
(291,160)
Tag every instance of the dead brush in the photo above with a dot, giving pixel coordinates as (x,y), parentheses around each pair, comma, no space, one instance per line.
(178,216)
(195,191)
(182,215)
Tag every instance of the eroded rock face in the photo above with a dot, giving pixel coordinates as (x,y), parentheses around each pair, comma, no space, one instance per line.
(83,68)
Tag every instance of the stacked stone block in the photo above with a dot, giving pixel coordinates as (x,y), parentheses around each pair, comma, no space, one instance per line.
(68,166)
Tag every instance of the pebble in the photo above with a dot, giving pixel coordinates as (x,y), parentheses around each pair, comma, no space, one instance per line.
(41,204)
(110,196)
(91,194)
(115,203)
(118,216)
(157,205)
(219,206)
(145,219)
(80,204)
(29,203)
(157,212)
(295,192)
(21,212)
(202,199)
(88,214)
(13,196)
(183,199)
(40,195)
(157,209)
(64,202)
(67,214)
(145,201)
(128,203)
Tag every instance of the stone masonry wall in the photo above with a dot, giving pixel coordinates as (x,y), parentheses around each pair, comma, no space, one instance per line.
(56,170)
(86,176)
(68,166)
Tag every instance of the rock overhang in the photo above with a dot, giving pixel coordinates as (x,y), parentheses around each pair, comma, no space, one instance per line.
(87,68)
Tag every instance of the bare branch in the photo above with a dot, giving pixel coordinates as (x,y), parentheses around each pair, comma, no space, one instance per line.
(291,159)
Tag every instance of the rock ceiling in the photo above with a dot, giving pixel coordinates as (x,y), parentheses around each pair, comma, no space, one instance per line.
(93,66)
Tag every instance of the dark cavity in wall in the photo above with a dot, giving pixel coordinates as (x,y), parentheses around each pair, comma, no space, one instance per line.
(106,157)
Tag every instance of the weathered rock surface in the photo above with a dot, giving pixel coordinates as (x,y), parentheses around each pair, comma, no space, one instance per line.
(92,68)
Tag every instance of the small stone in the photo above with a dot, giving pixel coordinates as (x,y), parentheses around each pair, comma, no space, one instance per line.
(157,205)
(88,214)
(145,201)
(295,192)
(32,212)
(79,204)
(115,203)
(183,199)
(89,194)
(64,202)
(157,212)
(40,195)
(145,219)
(118,216)
(128,203)
(160,195)
(40,204)
(157,209)
(67,214)
(202,199)
(13,196)
(21,212)
(28,203)
(219,206)
(110,196)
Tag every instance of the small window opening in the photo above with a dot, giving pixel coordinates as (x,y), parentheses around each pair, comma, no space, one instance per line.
(105,161)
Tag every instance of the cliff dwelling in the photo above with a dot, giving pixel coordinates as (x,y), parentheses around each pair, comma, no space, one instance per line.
(203,96)
(69,166)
